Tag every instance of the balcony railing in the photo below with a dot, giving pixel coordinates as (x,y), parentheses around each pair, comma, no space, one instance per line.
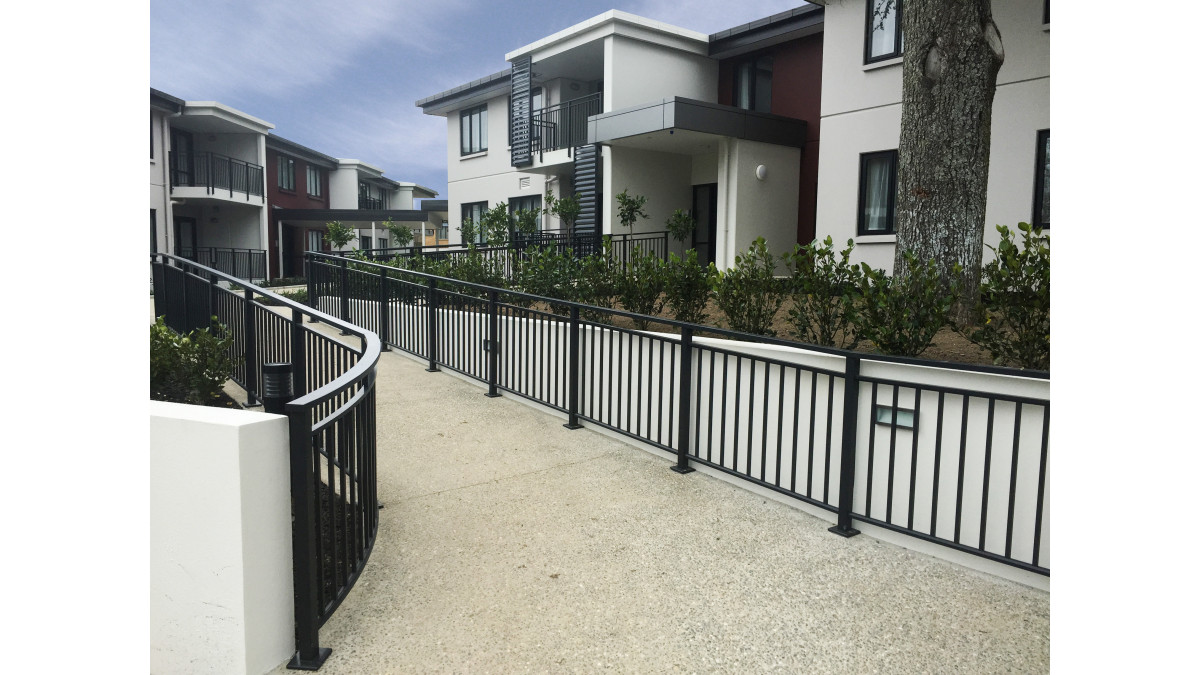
(365,202)
(243,263)
(564,125)
(216,173)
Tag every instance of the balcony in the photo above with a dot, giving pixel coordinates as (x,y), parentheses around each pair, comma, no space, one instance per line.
(217,174)
(564,125)
(371,203)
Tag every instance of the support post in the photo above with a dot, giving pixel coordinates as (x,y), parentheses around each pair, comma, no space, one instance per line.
(309,272)
(251,348)
(683,438)
(384,311)
(431,327)
(849,443)
(309,654)
(493,343)
(345,284)
(299,356)
(573,373)
(212,295)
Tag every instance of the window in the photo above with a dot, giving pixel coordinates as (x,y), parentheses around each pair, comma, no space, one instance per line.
(752,84)
(314,240)
(473,128)
(381,242)
(443,230)
(153,231)
(884,37)
(877,193)
(474,213)
(1041,182)
(314,181)
(364,243)
(151,135)
(528,203)
(287,173)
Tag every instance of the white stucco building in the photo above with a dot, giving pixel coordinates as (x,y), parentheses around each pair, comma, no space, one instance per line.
(860,125)
(620,102)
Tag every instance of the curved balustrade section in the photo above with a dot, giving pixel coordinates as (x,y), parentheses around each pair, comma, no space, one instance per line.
(331,423)
(953,454)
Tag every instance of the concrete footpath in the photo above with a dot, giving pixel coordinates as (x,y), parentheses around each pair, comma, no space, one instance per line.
(509,544)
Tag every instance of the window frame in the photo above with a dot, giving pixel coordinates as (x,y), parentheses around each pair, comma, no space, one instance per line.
(1040,167)
(863,160)
(465,207)
(513,203)
(310,173)
(753,63)
(468,147)
(289,173)
(898,41)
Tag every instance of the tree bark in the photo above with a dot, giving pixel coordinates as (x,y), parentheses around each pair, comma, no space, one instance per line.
(952,53)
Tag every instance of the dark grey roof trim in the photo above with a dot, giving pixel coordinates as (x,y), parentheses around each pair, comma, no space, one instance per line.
(699,116)
(810,17)
(435,204)
(351,215)
(165,101)
(285,146)
(466,89)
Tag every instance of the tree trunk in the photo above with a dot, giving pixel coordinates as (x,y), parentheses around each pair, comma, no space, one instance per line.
(952,52)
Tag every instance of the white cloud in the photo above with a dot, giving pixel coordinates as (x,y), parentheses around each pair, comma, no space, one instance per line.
(275,47)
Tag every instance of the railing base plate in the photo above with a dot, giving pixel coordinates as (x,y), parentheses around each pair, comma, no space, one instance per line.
(847,533)
(681,469)
(494,395)
(298,663)
(573,427)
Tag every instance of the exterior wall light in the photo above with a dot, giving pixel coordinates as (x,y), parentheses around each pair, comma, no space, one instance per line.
(900,418)
(761,172)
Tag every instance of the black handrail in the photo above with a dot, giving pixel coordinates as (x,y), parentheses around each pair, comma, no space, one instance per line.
(243,263)
(749,412)
(564,125)
(331,425)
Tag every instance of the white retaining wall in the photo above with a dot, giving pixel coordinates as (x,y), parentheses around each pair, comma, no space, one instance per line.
(220,541)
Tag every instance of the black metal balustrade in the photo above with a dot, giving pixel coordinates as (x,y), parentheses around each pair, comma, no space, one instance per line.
(331,425)
(564,125)
(845,432)
(216,172)
(622,247)
(243,263)
(373,203)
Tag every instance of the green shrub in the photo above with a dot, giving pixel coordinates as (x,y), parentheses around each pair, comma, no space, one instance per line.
(1014,308)
(642,285)
(598,283)
(299,295)
(681,225)
(748,293)
(566,209)
(285,281)
(496,225)
(825,294)
(402,235)
(547,272)
(688,286)
(902,313)
(338,235)
(189,368)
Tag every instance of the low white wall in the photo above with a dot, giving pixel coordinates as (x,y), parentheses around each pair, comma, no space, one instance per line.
(220,541)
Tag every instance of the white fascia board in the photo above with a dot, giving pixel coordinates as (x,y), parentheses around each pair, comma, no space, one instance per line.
(419,191)
(615,22)
(361,167)
(224,112)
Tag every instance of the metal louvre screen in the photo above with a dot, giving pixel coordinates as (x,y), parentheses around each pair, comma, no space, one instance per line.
(587,184)
(520,110)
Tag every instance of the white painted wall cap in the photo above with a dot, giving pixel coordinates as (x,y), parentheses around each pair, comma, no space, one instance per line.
(612,16)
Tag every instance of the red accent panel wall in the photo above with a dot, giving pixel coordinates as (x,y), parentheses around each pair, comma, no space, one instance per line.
(795,92)
(289,199)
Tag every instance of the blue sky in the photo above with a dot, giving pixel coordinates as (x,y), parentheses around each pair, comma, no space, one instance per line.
(343,78)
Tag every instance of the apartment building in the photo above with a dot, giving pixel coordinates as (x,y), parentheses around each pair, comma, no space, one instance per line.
(735,127)
(620,102)
(228,193)
(860,124)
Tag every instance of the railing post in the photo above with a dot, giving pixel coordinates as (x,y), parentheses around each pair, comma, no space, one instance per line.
(251,348)
(212,295)
(683,439)
(849,444)
(309,654)
(345,299)
(431,328)
(384,311)
(310,268)
(299,355)
(573,374)
(493,343)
